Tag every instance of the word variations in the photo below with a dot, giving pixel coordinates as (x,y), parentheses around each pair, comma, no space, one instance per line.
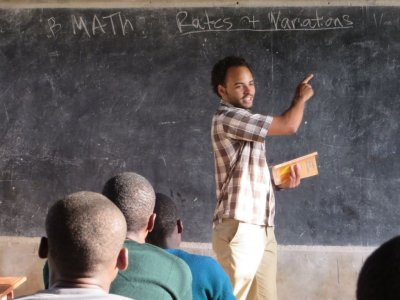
(115,24)
(188,23)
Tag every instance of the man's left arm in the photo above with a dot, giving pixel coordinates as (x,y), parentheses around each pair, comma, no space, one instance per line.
(294,179)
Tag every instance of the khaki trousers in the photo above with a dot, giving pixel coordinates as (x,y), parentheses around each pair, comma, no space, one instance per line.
(248,254)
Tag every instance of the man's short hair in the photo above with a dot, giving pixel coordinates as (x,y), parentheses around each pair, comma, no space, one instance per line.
(85,230)
(379,278)
(134,196)
(167,216)
(220,69)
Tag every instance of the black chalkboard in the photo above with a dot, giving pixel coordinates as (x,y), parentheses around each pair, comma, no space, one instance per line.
(86,94)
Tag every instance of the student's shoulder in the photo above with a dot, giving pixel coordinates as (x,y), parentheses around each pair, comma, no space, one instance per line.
(142,247)
(117,297)
(73,293)
(159,251)
(155,252)
(196,259)
(231,111)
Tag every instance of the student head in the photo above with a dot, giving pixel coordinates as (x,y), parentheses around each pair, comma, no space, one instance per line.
(232,80)
(135,197)
(379,278)
(168,227)
(85,235)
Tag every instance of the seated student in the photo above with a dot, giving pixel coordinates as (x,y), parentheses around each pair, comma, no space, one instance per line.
(379,278)
(152,272)
(84,247)
(209,279)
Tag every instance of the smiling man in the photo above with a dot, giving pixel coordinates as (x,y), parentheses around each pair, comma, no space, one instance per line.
(243,232)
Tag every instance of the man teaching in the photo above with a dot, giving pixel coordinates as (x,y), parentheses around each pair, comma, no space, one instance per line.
(243,232)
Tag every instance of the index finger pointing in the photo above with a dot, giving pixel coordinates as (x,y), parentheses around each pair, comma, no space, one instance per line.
(308,78)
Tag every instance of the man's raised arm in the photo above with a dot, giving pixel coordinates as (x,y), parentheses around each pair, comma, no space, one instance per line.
(289,121)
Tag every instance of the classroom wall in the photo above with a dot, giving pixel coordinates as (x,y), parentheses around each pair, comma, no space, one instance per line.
(305,272)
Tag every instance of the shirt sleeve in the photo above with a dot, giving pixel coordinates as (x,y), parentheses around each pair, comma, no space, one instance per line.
(239,124)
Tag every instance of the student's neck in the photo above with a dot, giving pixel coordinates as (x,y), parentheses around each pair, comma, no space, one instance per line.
(170,244)
(81,283)
(138,237)
(172,241)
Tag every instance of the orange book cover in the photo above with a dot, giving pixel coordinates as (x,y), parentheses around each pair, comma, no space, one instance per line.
(307,163)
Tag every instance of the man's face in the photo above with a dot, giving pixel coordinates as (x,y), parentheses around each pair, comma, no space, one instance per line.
(239,89)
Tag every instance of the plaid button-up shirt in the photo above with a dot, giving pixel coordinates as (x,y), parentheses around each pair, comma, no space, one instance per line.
(243,183)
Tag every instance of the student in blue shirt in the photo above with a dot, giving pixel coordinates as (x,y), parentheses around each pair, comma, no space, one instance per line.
(209,279)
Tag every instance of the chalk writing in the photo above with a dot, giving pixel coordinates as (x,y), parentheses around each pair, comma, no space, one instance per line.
(271,21)
(117,23)
(53,26)
(113,24)
(99,25)
(204,24)
(378,22)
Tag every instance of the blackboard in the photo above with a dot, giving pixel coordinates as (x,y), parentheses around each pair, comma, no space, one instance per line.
(88,93)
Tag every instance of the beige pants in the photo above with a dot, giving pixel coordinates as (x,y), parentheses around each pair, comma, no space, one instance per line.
(247,253)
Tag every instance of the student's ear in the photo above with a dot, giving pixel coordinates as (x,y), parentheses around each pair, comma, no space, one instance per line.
(122,261)
(180,226)
(43,247)
(221,91)
(151,222)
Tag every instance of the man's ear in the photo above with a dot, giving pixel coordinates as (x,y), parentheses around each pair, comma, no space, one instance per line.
(43,247)
(122,261)
(180,226)
(221,91)
(151,222)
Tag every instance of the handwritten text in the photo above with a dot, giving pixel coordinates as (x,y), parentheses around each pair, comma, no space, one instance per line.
(270,21)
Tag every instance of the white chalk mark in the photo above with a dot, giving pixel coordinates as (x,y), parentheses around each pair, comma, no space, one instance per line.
(5,110)
(13,180)
(338,271)
(366,178)
(6,90)
(140,102)
(96,24)
(377,24)
(50,80)
(80,25)
(272,60)
(112,21)
(333,146)
(266,30)
(53,26)
(54,54)
(167,123)
(163,158)
(125,24)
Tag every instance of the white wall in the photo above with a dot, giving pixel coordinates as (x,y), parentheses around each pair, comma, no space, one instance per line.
(304,272)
